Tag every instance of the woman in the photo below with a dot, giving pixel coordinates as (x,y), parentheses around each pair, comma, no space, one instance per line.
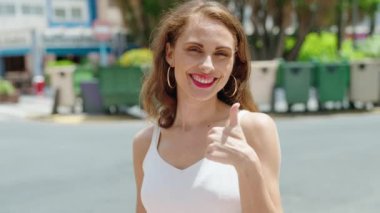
(204,154)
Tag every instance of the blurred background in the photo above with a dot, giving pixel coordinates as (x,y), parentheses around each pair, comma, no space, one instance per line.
(71,73)
(90,56)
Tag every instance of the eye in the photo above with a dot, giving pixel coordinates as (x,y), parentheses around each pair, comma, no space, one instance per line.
(223,54)
(194,49)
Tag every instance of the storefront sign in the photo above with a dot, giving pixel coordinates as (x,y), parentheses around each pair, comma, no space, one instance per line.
(69,38)
(15,39)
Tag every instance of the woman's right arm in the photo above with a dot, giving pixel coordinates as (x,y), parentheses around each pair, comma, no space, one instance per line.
(141,144)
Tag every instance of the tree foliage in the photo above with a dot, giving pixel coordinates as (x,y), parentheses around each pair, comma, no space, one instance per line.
(272,18)
(141,16)
(370,7)
(272,21)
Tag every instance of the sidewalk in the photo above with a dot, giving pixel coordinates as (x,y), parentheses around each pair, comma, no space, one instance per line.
(40,108)
(28,106)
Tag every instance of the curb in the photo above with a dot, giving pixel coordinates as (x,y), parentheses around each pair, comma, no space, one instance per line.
(82,118)
(327,113)
(86,118)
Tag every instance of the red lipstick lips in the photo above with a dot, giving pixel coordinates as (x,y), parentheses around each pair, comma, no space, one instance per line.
(202,80)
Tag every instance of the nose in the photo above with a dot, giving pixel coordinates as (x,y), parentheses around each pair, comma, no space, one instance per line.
(207,64)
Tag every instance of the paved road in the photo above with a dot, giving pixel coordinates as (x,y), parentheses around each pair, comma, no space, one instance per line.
(330,164)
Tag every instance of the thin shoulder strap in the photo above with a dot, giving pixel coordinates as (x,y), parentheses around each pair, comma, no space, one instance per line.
(155,136)
(152,147)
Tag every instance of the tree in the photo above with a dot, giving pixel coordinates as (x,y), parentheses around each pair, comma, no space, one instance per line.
(342,12)
(141,16)
(271,18)
(306,13)
(346,11)
(370,7)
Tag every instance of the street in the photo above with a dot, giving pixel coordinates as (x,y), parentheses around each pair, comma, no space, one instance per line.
(330,163)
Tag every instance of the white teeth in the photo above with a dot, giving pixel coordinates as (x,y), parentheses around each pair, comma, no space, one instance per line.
(202,80)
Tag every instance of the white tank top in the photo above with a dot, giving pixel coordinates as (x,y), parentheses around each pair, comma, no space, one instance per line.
(204,187)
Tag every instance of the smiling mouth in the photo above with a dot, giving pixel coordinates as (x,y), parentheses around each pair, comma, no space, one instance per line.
(202,81)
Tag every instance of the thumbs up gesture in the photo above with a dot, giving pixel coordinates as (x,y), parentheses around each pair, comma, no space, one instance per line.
(228,144)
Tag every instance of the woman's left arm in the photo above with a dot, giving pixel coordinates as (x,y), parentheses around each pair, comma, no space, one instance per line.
(259,172)
(251,145)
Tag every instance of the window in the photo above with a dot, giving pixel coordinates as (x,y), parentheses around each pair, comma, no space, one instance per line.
(76,13)
(26,9)
(38,10)
(70,11)
(31,10)
(60,13)
(7,9)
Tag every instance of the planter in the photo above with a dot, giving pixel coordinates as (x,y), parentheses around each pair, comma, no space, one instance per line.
(9,98)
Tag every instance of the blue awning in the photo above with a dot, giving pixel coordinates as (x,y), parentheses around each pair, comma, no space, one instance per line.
(14,52)
(73,51)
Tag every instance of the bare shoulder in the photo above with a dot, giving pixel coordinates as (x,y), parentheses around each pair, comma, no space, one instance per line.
(258,121)
(141,142)
(259,128)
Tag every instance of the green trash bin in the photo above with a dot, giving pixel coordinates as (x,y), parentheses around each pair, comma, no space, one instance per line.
(331,82)
(120,86)
(295,78)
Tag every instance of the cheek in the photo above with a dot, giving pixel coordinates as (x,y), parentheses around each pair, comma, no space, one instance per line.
(183,62)
(226,68)
(223,80)
(227,64)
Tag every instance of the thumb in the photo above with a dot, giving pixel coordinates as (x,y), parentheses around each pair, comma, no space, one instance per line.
(234,119)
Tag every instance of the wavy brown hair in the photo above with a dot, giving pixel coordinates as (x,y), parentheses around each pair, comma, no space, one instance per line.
(158,99)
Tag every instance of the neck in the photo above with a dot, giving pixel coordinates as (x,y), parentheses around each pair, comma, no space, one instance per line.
(191,113)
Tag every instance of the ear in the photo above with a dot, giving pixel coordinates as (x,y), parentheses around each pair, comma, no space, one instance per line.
(169,54)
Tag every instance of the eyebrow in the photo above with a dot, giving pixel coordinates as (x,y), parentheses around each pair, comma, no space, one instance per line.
(200,45)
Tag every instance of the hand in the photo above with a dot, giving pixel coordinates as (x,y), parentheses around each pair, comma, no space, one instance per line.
(228,144)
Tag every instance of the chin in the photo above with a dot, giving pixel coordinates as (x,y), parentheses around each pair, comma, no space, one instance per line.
(199,94)
(203,96)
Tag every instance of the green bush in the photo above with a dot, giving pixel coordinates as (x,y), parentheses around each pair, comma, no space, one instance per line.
(348,52)
(136,57)
(371,47)
(319,46)
(323,47)
(59,63)
(290,42)
(6,88)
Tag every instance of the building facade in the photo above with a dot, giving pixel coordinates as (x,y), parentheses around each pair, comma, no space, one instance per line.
(33,32)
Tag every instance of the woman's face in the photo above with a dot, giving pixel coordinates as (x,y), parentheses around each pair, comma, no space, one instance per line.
(203,58)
